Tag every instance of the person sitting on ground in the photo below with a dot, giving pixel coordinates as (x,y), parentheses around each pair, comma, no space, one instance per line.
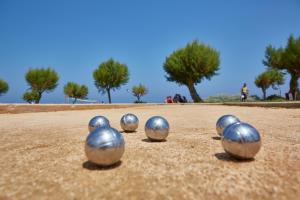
(168,99)
(244,92)
(177,98)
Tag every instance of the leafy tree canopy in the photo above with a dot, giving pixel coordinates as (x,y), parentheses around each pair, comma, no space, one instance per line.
(75,91)
(139,91)
(42,80)
(286,58)
(191,64)
(110,75)
(269,78)
(3,87)
(31,96)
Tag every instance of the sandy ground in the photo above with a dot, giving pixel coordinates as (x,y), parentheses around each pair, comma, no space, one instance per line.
(29,108)
(42,156)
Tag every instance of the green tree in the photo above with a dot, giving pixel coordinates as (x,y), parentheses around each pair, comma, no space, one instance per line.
(31,96)
(110,75)
(269,78)
(3,87)
(75,91)
(41,80)
(139,91)
(190,65)
(288,59)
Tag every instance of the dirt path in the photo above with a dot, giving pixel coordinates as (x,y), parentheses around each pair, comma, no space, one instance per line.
(42,156)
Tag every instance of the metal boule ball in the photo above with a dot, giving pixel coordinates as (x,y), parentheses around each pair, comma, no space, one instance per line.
(225,121)
(104,146)
(157,128)
(241,140)
(97,122)
(129,122)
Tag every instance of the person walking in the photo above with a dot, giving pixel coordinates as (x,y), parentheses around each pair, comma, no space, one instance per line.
(244,92)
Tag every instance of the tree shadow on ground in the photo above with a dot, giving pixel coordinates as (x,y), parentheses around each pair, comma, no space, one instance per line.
(226,157)
(216,138)
(92,166)
(152,141)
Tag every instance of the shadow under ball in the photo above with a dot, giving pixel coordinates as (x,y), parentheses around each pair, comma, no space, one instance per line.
(129,122)
(104,146)
(157,128)
(98,122)
(225,121)
(241,140)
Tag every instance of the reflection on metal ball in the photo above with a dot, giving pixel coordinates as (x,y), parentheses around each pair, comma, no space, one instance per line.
(241,140)
(104,146)
(97,122)
(225,121)
(129,122)
(157,128)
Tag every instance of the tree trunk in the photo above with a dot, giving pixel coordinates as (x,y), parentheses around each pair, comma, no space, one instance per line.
(108,93)
(37,101)
(196,98)
(75,99)
(138,98)
(264,93)
(294,85)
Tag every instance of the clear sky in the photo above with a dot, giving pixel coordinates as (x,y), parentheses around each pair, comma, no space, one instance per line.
(74,37)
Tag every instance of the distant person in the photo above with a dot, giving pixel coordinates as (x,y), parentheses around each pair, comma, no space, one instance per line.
(244,92)
(177,98)
(168,99)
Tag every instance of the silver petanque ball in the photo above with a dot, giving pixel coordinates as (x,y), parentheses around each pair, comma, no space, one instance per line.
(129,122)
(241,140)
(225,121)
(97,122)
(157,128)
(104,146)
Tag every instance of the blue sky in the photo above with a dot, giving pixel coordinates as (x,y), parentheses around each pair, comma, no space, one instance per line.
(74,37)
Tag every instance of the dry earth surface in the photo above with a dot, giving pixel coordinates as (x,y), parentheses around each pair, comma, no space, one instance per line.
(42,156)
